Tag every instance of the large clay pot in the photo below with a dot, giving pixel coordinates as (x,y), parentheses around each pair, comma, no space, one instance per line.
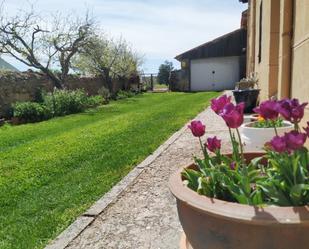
(214,224)
(254,138)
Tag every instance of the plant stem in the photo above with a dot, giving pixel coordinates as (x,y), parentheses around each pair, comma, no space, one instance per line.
(203,149)
(241,146)
(231,135)
(274,124)
(232,140)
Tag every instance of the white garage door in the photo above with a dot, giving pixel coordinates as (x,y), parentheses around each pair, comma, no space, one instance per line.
(214,74)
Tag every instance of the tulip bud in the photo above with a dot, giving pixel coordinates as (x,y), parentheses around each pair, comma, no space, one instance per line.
(292,110)
(268,109)
(233,115)
(197,128)
(218,104)
(213,144)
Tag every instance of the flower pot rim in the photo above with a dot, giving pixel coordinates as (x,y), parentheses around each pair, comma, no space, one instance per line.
(247,126)
(272,215)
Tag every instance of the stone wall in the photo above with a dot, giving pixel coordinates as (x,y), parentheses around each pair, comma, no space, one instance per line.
(25,86)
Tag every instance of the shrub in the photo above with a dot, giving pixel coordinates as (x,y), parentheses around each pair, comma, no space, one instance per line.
(58,103)
(31,112)
(64,102)
(105,93)
(125,94)
(94,101)
(39,95)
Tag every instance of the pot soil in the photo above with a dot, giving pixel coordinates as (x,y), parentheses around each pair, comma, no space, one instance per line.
(249,97)
(210,223)
(254,138)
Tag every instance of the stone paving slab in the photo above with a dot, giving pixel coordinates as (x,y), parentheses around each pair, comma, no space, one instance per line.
(143,214)
(71,232)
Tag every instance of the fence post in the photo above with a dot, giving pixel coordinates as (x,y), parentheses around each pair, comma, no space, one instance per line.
(151,82)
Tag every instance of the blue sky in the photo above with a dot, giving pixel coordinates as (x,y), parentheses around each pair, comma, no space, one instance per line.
(158,29)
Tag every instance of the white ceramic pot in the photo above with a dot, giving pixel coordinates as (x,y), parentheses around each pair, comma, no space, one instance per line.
(250,118)
(255,138)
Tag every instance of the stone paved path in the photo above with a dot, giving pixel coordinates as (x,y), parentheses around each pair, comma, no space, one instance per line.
(145,216)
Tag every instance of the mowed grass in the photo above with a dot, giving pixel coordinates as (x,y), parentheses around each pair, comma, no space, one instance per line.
(50,172)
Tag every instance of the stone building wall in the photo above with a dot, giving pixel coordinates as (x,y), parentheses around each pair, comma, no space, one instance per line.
(278,48)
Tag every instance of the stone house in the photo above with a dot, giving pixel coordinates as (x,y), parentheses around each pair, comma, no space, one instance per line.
(213,66)
(278,47)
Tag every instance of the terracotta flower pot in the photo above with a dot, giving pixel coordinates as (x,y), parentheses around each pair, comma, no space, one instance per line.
(255,138)
(214,224)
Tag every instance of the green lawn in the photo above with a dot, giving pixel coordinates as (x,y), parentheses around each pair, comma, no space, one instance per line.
(50,172)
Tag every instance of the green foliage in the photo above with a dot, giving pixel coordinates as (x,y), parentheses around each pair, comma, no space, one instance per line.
(105,93)
(266,123)
(283,181)
(58,103)
(108,57)
(39,95)
(94,101)
(164,72)
(125,94)
(28,112)
(64,102)
(216,179)
(51,172)
(287,181)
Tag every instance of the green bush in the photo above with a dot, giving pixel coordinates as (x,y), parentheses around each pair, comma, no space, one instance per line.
(28,112)
(94,101)
(58,103)
(125,94)
(64,102)
(105,93)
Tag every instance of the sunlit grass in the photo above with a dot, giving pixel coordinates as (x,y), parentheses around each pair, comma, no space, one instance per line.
(50,172)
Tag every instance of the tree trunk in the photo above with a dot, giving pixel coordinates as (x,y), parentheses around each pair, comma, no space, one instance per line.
(108,80)
(55,79)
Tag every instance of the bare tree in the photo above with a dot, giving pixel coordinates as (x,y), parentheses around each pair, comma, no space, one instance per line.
(68,38)
(127,61)
(41,45)
(108,58)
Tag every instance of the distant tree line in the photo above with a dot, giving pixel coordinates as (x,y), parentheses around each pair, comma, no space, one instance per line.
(57,44)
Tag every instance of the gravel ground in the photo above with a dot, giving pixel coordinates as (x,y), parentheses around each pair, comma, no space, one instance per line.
(145,215)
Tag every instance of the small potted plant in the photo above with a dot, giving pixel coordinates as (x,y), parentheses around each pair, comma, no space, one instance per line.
(247,92)
(246,200)
(268,124)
